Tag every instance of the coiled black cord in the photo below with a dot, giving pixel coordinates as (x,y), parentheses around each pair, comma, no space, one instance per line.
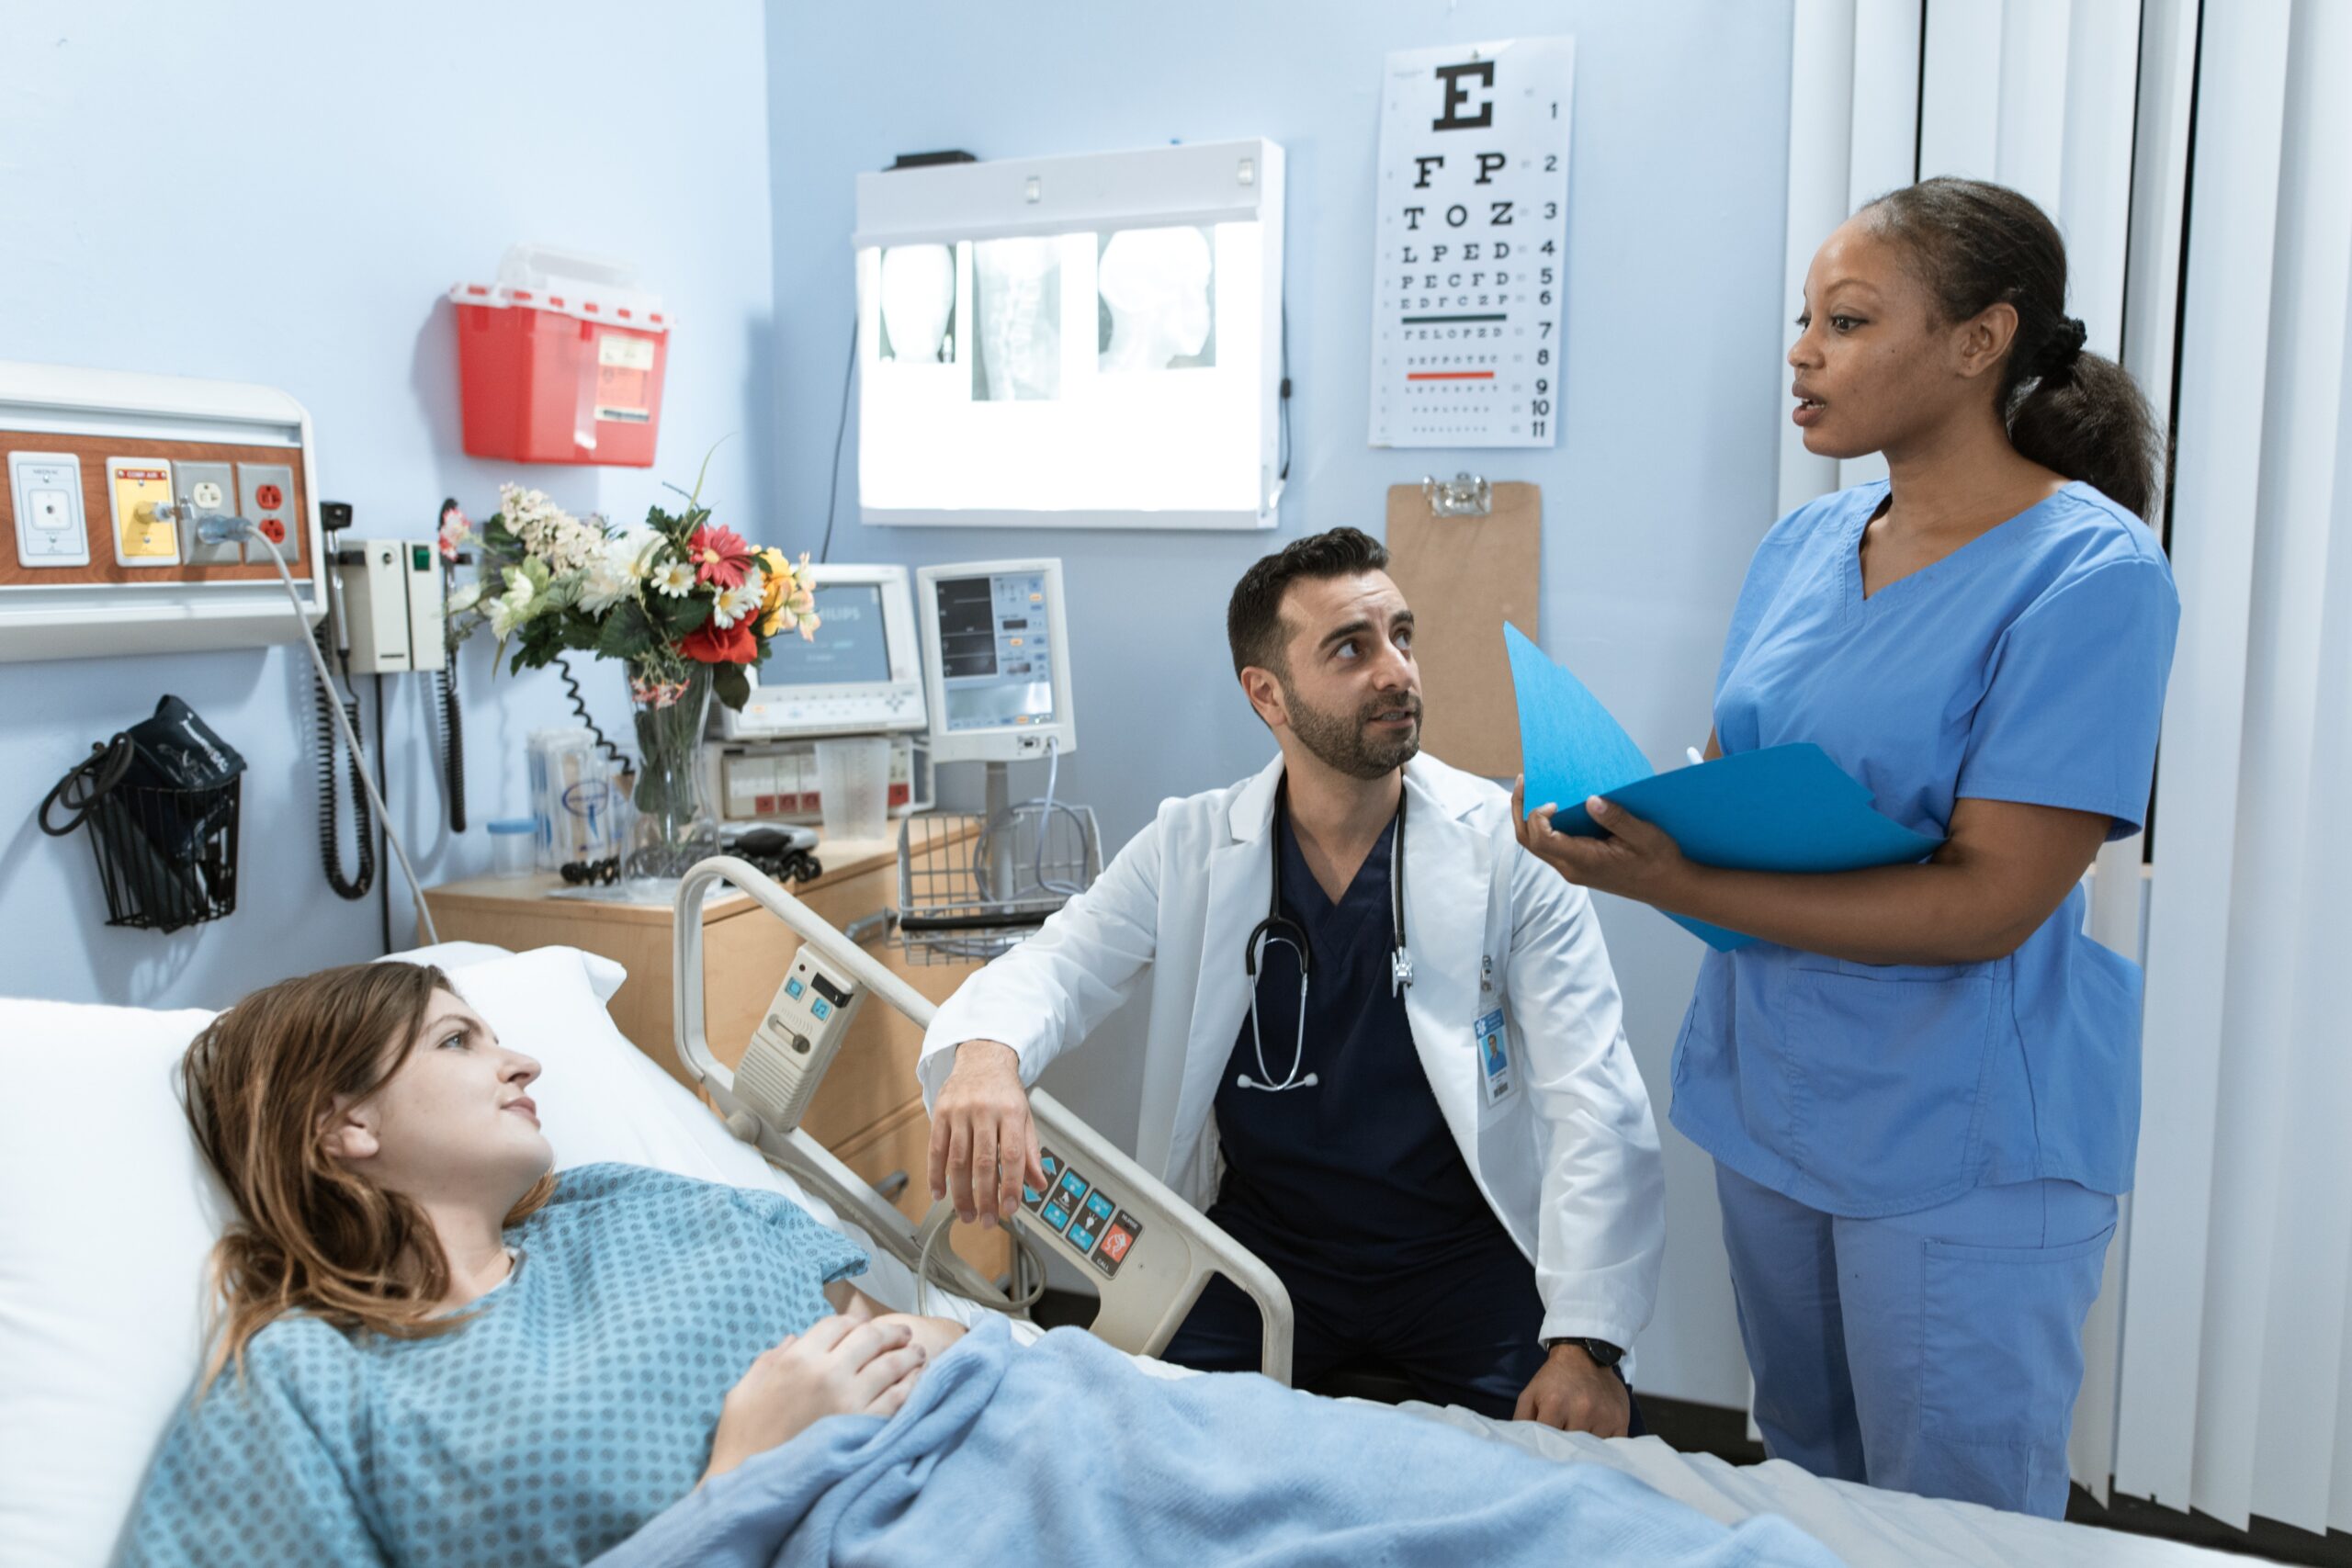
(453,743)
(330,850)
(579,706)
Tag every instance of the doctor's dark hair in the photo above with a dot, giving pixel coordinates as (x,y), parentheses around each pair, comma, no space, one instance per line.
(1253,617)
(1977,245)
(258,1086)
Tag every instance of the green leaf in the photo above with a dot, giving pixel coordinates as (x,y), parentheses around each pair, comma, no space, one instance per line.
(734,688)
(626,632)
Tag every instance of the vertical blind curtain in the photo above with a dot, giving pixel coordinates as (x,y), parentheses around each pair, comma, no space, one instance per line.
(2232,1396)
(2196,159)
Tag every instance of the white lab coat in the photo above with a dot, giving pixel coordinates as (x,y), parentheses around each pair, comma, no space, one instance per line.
(1569,1161)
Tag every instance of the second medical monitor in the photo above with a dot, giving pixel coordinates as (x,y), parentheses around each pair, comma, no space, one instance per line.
(996,660)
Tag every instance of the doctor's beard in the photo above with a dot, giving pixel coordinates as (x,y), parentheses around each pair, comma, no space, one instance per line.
(1346,743)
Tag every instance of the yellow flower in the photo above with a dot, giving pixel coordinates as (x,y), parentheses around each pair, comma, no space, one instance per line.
(788,601)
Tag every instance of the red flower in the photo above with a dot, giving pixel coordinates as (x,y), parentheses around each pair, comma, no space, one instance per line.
(711,643)
(719,556)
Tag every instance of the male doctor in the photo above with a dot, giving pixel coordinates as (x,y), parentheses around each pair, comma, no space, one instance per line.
(1383,1047)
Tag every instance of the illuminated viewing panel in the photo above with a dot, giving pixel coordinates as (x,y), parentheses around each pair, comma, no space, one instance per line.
(1114,361)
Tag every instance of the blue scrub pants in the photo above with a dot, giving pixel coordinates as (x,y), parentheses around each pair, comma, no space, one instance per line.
(1937,1352)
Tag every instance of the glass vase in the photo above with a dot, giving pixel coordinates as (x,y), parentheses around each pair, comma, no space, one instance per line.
(675,826)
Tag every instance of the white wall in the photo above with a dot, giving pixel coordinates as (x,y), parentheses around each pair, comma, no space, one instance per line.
(1663,480)
(281,192)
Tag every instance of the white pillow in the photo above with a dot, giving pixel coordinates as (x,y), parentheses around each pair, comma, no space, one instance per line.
(108,1212)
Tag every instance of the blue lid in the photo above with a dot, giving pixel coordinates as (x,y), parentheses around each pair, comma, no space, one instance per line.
(514,825)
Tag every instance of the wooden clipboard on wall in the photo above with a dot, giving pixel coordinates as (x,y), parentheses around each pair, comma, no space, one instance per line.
(1468,557)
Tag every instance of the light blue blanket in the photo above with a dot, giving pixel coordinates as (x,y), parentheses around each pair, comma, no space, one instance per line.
(1064,1453)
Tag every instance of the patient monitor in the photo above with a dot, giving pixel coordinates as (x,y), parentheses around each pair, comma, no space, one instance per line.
(1149,1252)
(996,660)
(861,674)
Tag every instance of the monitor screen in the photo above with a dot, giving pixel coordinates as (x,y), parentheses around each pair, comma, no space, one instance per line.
(995,652)
(851,647)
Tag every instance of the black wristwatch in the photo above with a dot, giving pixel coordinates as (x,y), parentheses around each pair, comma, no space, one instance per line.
(1603,1354)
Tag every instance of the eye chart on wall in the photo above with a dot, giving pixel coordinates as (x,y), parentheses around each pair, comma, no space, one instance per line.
(1468,260)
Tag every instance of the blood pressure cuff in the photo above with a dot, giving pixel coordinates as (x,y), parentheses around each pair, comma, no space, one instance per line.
(178,751)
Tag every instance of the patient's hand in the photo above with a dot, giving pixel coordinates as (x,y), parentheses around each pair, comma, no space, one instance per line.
(983,1144)
(838,1367)
(931,1335)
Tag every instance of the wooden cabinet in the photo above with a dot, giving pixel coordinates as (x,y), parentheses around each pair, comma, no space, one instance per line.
(869,1110)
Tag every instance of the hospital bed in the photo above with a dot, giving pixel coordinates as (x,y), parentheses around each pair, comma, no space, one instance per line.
(107,1213)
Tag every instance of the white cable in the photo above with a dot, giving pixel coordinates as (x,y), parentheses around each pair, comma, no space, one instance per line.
(342,722)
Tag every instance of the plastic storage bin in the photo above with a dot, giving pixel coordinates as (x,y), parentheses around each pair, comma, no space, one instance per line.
(561,361)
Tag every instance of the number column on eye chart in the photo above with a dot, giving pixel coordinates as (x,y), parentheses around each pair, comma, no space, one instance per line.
(1468,277)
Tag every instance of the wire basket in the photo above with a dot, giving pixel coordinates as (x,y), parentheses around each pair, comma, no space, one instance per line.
(970,887)
(166,857)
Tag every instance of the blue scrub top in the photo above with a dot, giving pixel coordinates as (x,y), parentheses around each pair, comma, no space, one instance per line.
(1357,1175)
(2029,665)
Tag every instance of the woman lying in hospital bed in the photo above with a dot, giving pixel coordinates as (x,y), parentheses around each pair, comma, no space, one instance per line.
(430,1350)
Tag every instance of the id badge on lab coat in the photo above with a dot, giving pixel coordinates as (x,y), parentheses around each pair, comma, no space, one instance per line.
(1494,1055)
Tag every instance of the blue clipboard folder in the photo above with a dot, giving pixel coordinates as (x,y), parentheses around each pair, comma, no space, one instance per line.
(1783,808)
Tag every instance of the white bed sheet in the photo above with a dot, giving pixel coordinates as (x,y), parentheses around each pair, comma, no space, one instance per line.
(1867,1526)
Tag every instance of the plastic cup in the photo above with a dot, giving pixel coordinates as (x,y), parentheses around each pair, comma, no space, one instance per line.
(512,843)
(853,786)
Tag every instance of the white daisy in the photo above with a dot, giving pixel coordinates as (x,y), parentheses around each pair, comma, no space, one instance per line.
(744,599)
(675,578)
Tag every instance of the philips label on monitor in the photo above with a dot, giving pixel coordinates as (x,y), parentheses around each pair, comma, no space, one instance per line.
(851,645)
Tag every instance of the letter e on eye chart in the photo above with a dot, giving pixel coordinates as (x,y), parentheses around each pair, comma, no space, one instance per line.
(1467,258)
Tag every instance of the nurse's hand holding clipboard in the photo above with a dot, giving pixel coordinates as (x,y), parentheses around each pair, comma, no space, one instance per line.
(1635,861)
(2001,873)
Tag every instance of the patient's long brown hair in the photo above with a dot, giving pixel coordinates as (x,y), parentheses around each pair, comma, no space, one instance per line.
(311,1234)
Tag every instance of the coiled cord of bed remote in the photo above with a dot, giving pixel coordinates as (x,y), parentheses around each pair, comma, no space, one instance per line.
(927,1263)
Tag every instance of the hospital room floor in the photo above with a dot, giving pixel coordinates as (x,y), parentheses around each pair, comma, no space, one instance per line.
(1693,1428)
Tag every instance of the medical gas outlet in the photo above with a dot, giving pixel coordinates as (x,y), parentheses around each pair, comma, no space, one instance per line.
(796,1042)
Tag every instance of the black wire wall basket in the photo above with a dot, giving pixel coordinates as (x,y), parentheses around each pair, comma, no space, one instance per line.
(161,803)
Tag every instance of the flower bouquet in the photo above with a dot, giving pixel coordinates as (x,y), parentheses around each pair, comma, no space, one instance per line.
(687,608)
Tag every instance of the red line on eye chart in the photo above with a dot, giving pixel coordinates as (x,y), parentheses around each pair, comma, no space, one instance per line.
(1449,376)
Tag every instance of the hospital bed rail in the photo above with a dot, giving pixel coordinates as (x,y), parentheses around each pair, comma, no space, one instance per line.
(1142,1305)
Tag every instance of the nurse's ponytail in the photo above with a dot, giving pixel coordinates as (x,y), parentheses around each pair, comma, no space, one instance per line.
(1978,244)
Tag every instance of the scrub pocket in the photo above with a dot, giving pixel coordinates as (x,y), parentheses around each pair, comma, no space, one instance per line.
(1886,1073)
(2001,1331)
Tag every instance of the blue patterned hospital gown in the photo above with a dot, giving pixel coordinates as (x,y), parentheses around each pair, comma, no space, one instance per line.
(577,1404)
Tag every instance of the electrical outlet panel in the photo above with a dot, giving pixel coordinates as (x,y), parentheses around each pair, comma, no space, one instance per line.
(266,499)
(209,488)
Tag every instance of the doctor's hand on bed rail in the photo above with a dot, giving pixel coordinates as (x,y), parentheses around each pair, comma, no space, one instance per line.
(983,1144)
(840,1367)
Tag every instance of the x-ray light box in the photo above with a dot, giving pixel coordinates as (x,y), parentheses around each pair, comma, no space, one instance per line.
(1091,341)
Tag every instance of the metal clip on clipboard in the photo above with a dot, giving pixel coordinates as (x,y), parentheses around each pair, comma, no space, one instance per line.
(1464,495)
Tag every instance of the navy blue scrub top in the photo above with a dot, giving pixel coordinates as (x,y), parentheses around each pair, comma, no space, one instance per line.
(1358,1172)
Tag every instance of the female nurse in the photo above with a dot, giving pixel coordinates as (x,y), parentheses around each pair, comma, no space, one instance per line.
(1921,1085)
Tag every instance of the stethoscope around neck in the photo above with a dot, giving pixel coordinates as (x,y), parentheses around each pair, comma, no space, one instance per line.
(1280,929)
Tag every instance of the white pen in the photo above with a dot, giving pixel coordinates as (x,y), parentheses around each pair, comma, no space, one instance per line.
(1692,752)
